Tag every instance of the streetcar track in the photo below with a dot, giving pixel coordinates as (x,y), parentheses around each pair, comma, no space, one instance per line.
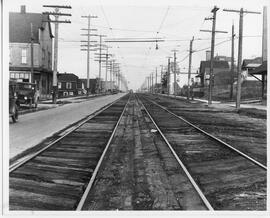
(61,177)
(153,179)
(55,178)
(212,137)
(63,134)
(221,173)
(196,187)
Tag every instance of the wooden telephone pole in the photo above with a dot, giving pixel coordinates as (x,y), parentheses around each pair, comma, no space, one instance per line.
(168,76)
(56,14)
(161,72)
(88,34)
(32,55)
(240,49)
(174,73)
(189,65)
(156,82)
(100,54)
(232,63)
(210,90)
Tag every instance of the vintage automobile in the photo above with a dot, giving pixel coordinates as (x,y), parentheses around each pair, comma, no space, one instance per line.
(13,99)
(27,94)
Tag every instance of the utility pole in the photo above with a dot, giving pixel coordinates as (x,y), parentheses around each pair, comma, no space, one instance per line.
(88,49)
(189,65)
(106,68)
(100,60)
(149,85)
(118,79)
(111,70)
(152,80)
(161,71)
(32,55)
(210,90)
(232,63)
(56,14)
(100,56)
(240,49)
(168,76)
(156,82)
(174,73)
(106,56)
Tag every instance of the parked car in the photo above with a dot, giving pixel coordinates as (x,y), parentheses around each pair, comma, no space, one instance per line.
(28,94)
(13,100)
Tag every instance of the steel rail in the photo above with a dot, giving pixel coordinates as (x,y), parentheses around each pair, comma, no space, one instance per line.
(212,137)
(93,177)
(197,188)
(16,165)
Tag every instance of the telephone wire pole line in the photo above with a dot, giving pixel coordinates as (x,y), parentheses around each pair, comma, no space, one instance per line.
(240,50)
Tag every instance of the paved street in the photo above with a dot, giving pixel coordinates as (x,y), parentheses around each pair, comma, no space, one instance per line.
(32,128)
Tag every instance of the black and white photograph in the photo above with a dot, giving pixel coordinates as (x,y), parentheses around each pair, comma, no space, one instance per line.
(154,108)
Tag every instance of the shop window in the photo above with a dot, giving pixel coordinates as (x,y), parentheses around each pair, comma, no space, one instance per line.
(71,93)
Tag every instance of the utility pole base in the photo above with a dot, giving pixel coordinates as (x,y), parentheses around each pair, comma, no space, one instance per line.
(54,94)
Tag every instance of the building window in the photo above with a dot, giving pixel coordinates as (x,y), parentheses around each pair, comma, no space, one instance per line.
(12,75)
(65,93)
(59,85)
(24,57)
(71,93)
(68,85)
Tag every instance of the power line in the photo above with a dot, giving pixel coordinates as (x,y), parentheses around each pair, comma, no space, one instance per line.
(162,22)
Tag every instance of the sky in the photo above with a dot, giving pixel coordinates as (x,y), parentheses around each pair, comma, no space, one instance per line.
(174,21)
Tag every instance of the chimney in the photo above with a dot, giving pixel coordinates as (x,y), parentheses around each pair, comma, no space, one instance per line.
(23,10)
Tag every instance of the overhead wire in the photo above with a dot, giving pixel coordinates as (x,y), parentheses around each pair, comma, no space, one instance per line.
(163,20)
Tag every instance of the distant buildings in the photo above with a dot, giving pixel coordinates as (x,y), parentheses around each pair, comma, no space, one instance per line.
(67,84)
(20,49)
(92,85)
(218,67)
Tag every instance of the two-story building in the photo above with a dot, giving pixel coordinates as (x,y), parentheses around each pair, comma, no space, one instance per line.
(67,84)
(22,28)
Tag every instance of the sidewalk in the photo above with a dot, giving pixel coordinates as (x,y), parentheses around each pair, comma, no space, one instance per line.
(218,104)
(47,104)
